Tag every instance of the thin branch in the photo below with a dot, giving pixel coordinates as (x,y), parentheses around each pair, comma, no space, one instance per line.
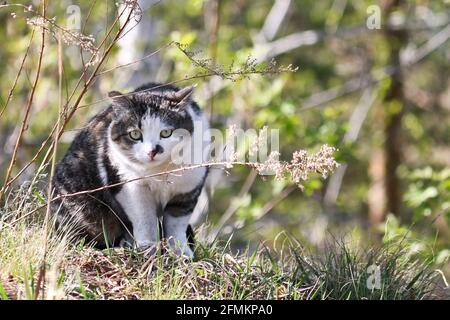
(234,205)
(136,61)
(367,100)
(434,43)
(276,200)
(300,166)
(273,21)
(11,91)
(74,108)
(270,50)
(237,73)
(85,192)
(357,119)
(93,3)
(335,14)
(24,124)
(41,276)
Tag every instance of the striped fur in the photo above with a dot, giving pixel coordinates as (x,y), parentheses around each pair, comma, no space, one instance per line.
(104,153)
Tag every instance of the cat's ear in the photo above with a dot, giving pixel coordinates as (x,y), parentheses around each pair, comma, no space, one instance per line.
(182,97)
(120,102)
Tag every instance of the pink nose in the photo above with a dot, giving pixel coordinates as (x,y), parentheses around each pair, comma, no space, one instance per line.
(152,154)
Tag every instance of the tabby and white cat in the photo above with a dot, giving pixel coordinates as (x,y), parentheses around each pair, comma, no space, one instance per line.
(133,137)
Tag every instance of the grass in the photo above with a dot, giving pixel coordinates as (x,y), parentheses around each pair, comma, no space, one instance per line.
(80,272)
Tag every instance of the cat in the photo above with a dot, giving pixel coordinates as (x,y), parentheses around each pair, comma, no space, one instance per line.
(132,138)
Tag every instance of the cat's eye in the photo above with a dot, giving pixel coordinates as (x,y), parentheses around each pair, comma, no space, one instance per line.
(165,133)
(135,134)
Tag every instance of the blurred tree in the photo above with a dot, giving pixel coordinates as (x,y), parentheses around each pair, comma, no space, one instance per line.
(385,194)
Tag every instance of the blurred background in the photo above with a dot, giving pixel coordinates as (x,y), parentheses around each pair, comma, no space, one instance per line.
(372,81)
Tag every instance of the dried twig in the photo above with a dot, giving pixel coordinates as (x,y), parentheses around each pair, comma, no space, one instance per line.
(298,169)
(44,9)
(135,61)
(10,94)
(353,85)
(41,278)
(24,124)
(233,206)
(86,85)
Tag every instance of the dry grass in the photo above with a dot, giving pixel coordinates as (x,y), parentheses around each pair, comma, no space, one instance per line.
(81,272)
(77,271)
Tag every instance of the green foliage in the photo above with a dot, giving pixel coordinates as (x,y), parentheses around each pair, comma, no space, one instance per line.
(344,273)
(287,101)
(429,192)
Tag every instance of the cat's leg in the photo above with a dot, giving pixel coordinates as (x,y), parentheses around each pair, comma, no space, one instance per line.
(127,241)
(175,228)
(139,206)
(91,217)
(177,214)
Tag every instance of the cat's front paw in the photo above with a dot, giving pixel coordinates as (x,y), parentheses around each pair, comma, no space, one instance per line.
(127,241)
(180,248)
(148,247)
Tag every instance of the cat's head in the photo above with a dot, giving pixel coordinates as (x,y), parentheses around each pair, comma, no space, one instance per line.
(147,124)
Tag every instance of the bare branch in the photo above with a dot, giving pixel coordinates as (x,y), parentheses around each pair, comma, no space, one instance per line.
(68,116)
(273,21)
(357,119)
(27,113)
(10,94)
(301,165)
(234,205)
(413,57)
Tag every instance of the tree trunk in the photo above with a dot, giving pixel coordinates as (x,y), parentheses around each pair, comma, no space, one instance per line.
(385,194)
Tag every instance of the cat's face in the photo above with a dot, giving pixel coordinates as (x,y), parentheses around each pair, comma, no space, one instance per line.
(147,126)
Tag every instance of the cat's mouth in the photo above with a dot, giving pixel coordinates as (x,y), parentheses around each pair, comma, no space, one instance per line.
(155,159)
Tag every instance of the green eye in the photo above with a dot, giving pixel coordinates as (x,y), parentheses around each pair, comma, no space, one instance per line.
(135,134)
(165,133)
